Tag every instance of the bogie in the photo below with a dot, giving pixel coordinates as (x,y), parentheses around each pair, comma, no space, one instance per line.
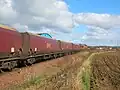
(9,65)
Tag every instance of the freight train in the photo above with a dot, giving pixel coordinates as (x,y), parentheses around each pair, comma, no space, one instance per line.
(18,48)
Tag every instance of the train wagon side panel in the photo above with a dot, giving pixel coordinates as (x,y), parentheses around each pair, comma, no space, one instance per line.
(10,41)
(65,46)
(76,47)
(43,45)
(25,43)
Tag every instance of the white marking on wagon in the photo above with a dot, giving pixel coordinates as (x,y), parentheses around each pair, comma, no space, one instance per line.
(48,45)
(12,49)
(35,49)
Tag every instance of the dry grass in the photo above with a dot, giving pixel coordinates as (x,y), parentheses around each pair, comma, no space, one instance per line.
(65,79)
(100,71)
(83,77)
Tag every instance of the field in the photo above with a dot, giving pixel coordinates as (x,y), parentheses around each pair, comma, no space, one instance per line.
(105,71)
(82,71)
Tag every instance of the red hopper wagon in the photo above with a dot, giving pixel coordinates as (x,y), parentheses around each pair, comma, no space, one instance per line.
(10,41)
(25,48)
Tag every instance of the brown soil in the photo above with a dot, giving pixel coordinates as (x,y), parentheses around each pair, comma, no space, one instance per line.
(21,75)
(106,71)
(59,71)
(67,78)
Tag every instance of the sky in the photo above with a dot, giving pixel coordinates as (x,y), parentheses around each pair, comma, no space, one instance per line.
(91,22)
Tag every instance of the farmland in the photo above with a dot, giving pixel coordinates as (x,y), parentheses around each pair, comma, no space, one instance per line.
(85,70)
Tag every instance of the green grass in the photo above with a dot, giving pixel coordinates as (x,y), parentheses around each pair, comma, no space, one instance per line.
(85,73)
(35,80)
(86,80)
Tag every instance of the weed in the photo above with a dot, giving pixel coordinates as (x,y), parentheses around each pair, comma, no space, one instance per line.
(86,80)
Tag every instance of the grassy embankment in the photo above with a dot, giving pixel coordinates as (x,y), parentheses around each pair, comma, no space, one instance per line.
(64,79)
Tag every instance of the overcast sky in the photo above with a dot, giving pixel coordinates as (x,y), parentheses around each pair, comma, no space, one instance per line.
(80,21)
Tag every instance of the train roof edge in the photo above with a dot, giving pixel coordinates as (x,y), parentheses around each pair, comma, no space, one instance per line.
(7,27)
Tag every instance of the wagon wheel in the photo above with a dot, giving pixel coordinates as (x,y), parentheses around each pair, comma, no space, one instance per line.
(25,63)
(55,56)
(30,61)
(10,66)
(1,71)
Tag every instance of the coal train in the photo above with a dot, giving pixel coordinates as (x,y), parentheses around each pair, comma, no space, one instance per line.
(17,48)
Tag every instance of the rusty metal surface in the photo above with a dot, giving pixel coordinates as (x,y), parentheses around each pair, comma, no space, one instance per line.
(9,39)
(44,45)
(25,43)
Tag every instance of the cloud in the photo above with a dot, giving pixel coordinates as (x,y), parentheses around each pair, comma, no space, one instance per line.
(105,21)
(102,28)
(52,14)
(100,36)
(54,17)
(96,32)
(7,14)
(20,27)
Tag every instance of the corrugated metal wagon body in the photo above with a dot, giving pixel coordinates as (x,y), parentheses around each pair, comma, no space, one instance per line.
(76,47)
(21,49)
(43,45)
(10,41)
(65,46)
(39,44)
